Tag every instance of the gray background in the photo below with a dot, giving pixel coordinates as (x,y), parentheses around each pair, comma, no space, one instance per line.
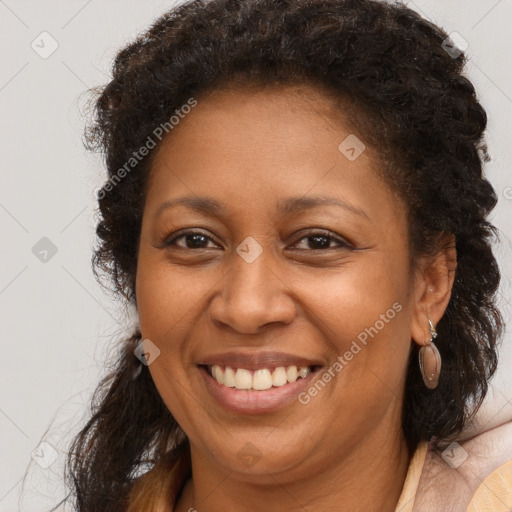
(57,323)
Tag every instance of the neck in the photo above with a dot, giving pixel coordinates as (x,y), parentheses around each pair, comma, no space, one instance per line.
(369,478)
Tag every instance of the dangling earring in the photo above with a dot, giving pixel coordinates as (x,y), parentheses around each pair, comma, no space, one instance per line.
(430,361)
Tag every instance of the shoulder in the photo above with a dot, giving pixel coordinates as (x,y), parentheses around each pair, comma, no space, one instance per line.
(495,493)
(469,473)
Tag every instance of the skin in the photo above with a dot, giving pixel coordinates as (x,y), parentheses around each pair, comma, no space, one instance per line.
(249,149)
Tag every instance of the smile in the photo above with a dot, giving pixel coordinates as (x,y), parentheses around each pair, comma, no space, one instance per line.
(260,379)
(263,390)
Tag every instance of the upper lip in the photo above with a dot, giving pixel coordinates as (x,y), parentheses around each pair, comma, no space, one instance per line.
(253,361)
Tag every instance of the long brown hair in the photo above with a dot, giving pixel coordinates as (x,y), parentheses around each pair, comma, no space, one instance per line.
(415,106)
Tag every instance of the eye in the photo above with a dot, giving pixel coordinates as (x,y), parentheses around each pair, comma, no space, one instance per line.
(192,240)
(315,240)
(321,240)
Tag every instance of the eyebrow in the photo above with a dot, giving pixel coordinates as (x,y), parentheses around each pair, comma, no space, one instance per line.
(288,206)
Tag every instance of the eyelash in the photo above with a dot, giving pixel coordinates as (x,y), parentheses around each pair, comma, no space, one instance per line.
(169,242)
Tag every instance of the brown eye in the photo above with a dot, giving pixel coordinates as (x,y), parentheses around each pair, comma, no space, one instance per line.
(322,241)
(193,240)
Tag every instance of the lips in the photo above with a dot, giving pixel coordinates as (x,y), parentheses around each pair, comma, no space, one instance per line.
(256,361)
(259,397)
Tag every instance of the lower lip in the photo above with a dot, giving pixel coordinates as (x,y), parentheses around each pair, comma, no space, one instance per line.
(253,401)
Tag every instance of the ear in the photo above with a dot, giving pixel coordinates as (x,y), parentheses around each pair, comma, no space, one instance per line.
(433,287)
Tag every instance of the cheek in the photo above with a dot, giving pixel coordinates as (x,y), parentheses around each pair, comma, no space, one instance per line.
(364,315)
(165,304)
(355,295)
(166,297)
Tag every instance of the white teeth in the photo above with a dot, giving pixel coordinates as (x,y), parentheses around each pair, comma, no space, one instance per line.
(229,377)
(217,373)
(303,371)
(291,373)
(243,379)
(279,376)
(261,379)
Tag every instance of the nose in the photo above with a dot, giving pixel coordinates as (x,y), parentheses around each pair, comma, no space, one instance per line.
(253,295)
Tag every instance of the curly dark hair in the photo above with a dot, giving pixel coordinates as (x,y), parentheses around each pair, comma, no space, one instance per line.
(412,104)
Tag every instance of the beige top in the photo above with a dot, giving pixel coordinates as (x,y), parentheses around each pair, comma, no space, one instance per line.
(473,476)
(406,501)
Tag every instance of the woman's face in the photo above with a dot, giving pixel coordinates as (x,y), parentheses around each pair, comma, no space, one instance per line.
(261,273)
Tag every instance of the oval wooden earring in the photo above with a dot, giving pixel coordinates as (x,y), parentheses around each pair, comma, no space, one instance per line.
(430,361)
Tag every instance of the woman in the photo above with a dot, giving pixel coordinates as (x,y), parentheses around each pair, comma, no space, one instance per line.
(297,210)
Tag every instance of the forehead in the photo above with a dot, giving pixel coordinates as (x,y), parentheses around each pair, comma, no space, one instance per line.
(254,146)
